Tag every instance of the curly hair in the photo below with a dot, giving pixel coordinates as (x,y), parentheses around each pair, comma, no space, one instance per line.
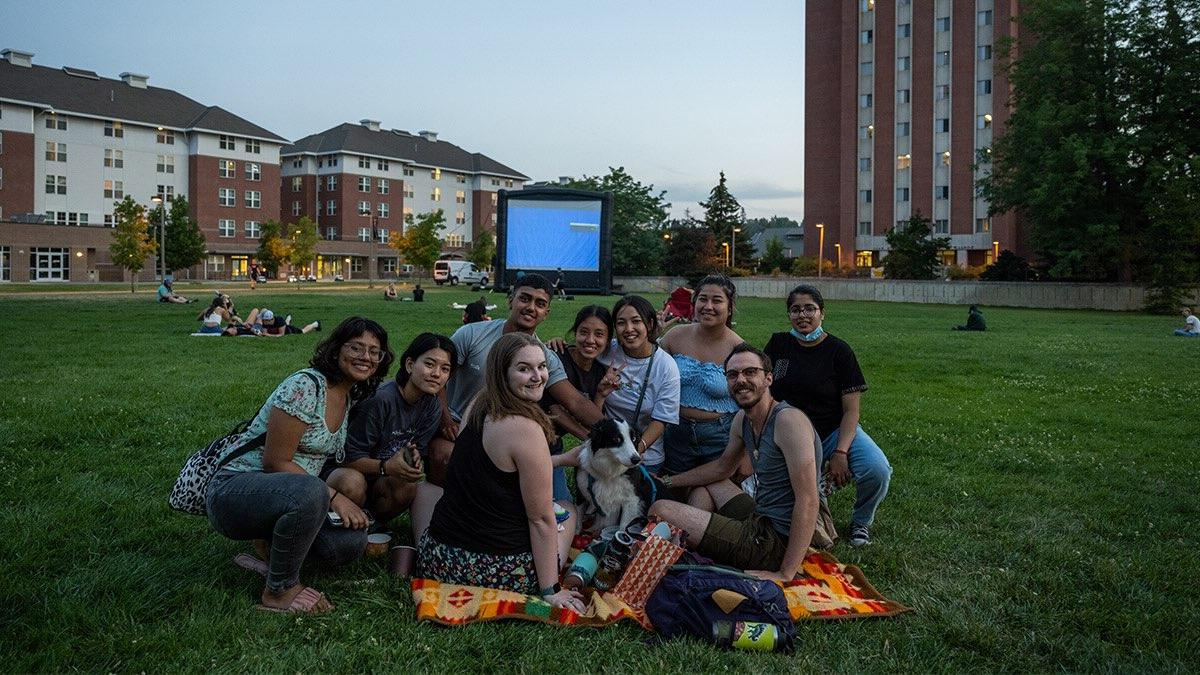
(497,399)
(325,356)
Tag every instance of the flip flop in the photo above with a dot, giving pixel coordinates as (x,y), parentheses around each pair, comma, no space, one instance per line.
(303,603)
(250,563)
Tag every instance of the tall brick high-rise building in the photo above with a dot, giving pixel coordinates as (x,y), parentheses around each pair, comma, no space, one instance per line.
(902,99)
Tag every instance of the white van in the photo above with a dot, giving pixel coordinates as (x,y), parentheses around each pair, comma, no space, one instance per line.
(456,271)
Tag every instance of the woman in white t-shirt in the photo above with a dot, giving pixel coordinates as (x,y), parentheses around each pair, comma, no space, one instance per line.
(1191,324)
(648,395)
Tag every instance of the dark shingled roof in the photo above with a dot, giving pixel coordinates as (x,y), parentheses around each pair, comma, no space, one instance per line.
(400,145)
(113,99)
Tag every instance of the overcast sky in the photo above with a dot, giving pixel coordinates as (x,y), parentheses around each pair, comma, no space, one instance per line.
(673,90)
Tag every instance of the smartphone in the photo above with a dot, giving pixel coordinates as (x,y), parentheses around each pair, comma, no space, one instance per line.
(335,519)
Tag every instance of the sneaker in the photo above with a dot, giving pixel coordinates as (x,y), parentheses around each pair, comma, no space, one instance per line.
(287,321)
(318,325)
(860,535)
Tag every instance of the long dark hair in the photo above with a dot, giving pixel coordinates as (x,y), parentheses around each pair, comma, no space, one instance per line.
(722,282)
(325,357)
(421,344)
(590,311)
(644,309)
(497,399)
(805,289)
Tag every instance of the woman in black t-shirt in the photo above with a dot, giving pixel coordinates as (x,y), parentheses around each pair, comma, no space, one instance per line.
(819,374)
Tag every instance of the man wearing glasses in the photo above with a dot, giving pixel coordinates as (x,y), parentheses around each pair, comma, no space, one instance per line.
(767,534)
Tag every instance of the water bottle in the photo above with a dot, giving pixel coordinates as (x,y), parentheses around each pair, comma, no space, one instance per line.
(753,635)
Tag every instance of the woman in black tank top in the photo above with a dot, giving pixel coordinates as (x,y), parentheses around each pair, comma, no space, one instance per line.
(494,525)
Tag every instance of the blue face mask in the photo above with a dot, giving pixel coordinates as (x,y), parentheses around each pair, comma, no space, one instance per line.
(811,337)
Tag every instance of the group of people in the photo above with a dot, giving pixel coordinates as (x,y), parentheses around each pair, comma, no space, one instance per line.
(390,293)
(468,436)
(220,318)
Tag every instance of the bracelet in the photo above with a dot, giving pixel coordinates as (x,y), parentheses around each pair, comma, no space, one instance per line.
(336,494)
(845,452)
(549,590)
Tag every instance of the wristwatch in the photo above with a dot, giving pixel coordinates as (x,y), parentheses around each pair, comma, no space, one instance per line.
(383,467)
(549,590)
(666,481)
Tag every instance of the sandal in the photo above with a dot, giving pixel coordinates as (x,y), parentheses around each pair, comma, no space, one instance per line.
(250,563)
(303,603)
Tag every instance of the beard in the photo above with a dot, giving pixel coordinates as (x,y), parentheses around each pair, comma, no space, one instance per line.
(758,394)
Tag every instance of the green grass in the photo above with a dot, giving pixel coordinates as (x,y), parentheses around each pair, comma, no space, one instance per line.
(1042,513)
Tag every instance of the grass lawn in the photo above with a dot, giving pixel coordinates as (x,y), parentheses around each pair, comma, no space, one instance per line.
(1041,516)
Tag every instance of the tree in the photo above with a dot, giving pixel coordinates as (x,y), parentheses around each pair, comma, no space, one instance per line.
(637,216)
(773,257)
(420,245)
(722,213)
(692,253)
(302,243)
(1008,267)
(912,253)
(272,247)
(483,249)
(132,242)
(185,244)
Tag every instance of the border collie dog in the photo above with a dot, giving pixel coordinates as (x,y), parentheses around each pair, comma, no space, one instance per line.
(615,487)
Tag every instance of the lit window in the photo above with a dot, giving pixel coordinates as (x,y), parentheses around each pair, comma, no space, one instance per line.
(864,258)
(114,129)
(460,197)
(408,191)
(114,189)
(460,218)
(435,174)
(946,157)
(436,195)
(459,178)
(226,168)
(904,161)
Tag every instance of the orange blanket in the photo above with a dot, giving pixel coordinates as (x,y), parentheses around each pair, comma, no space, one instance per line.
(827,589)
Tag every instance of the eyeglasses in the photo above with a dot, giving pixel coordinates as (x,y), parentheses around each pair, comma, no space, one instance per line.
(358,351)
(806,310)
(747,373)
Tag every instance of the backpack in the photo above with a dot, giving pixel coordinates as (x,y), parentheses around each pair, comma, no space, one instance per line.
(691,598)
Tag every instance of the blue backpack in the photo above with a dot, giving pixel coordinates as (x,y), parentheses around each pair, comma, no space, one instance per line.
(683,602)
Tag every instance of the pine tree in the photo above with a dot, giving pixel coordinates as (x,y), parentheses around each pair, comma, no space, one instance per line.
(131,243)
(723,213)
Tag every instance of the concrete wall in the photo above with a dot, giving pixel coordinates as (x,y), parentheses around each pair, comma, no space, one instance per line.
(992,293)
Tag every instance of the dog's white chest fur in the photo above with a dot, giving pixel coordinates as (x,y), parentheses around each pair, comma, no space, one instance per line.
(607,489)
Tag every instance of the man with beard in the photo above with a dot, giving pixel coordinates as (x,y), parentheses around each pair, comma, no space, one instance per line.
(767,534)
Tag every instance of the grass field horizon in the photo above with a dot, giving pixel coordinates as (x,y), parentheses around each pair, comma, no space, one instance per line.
(1040,516)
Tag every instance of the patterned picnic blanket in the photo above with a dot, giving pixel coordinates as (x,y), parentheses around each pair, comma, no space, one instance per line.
(826,590)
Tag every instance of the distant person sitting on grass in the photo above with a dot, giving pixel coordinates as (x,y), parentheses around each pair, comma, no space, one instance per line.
(389,435)
(218,312)
(974,320)
(1191,324)
(274,325)
(390,292)
(166,293)
(418,293)
(274,496)
(475,312)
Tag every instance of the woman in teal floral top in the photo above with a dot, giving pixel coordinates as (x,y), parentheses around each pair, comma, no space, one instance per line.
(274,493)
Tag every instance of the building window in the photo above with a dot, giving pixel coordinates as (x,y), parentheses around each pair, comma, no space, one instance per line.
(508,183)
(864,196)
(331,208)
(866,37)
(253,171)
(356,264)
(382,165)
(165,163)
(1,188)
(226,168)
(460,197)
(436,195)
(435,174)
(331,233)
(459,178)
(864,163)
(49,264)
(941,92)
(496,182)
(864,100)
(494,198)
(333,160)
(364,162)
(226,197)
(904,30)
(364,184)
(382,235)
(864,228)
(384,186)
(983,87)
(864,258)
(364,208)
(114,129)
(455,240)
(253,146)
(903,63)
(984,18)
(941,226)
(296,208)
(108,220)
(866,5)
(166,192)
(408,171)
(385,209)
(227,143)
(408,191)
(253,229)
(408,211)
(55,122)
(941,192)
(903,128)
(903,96)
(493,219)
(865,132)
(57,185)
(297,183)
(56,152)
(983,52)
(942,58)
(387,265)
(904,161)
(942,125)
(226,228)
(253,199)
(942,25)
(866,68)
(216,263)
(460,218)
(983,225)
(297,163)
(946,158)
(364,234)
(331,183)
(901,194)
(165,137)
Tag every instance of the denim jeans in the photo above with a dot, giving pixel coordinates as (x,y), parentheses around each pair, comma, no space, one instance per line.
(691,443)
(870,469)
(1184,333)
(290,511)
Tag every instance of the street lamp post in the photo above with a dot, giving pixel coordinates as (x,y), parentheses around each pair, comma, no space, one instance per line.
(733,246)
(162,236)
(995,251)
(725,245)
(838,248)
(820,248)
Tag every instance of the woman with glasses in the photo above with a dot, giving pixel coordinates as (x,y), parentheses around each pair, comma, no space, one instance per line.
(819,374)
(272,494)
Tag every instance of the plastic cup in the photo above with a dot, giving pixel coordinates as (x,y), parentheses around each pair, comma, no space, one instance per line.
(400,560)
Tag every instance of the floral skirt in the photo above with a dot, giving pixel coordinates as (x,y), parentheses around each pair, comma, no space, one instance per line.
(452,565)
